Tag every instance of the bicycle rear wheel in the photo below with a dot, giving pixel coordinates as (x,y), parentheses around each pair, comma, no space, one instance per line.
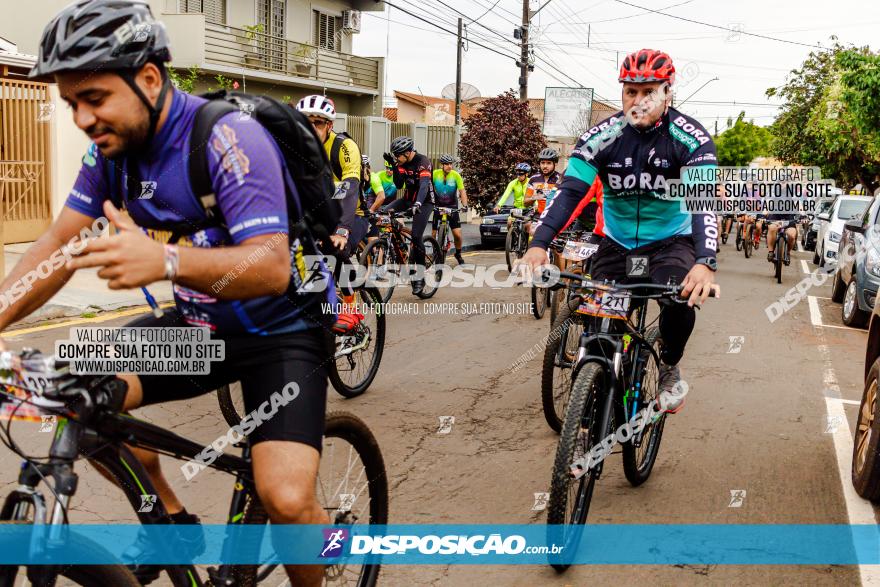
(638,461)
(540,301)
(570,498)
(511,247)
(377,259)
(559,357)
(779,255)
(352,487)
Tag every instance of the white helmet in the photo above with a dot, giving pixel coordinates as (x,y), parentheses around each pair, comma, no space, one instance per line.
(317,105)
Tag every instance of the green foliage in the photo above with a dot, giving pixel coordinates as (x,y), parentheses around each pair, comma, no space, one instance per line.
(499,136)
(742,142)
(253,30)
(831,118)
(185,82)
(224,83)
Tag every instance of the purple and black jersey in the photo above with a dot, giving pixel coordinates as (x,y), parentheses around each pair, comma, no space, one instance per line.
(249,178)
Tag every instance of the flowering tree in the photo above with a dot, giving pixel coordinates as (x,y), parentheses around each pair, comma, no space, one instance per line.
(500,135)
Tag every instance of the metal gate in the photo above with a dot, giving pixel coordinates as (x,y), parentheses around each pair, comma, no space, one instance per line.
(25,115)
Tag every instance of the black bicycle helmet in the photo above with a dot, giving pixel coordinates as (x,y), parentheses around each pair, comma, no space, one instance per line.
(447,159)
(548,154)
(106,35)
(402,145)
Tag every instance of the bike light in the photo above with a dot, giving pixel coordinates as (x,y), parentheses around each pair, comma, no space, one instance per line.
(834,236)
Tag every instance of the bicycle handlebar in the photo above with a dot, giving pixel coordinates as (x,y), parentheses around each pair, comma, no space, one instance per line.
(668,290)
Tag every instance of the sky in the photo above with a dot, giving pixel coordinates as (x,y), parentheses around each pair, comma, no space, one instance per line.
(581,42)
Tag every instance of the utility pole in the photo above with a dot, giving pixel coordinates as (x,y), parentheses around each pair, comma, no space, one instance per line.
(524,54)
(458,77)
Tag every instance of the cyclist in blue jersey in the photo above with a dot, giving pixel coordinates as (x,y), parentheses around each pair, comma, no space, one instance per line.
(108,58)
(448,188)
(635,152)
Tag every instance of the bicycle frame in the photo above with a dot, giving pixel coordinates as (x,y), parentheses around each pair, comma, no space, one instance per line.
(102,442)
(609,349)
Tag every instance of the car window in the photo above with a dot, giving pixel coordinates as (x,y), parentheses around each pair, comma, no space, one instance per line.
(870,211)
(851,208)
(825,206)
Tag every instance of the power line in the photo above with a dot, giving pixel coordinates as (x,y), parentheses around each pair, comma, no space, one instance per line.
(715,26)
(488,10)
(435,25)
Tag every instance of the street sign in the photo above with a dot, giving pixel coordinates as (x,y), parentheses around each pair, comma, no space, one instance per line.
(567,111)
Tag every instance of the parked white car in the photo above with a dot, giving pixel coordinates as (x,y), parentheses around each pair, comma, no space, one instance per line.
(828,240)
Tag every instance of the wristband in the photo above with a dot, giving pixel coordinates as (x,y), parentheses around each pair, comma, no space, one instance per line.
(172,262)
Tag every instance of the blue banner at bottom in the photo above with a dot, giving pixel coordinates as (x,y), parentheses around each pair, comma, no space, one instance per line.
(427,544)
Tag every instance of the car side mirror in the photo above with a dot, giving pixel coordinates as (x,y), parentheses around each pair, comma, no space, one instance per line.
(855,225)
(824,216)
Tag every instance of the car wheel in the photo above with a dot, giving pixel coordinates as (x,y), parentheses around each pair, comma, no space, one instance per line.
(838,288)
(853,315)
(866,453)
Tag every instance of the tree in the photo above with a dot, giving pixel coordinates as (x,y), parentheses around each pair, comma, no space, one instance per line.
(501,134)
(742,142)
(830,119)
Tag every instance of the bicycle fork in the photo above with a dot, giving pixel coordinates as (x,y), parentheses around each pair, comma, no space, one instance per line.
(606,419)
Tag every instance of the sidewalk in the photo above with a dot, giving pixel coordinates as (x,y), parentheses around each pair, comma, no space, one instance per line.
(85,292)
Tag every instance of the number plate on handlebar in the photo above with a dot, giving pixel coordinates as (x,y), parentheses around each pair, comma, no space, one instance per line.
(578,251)
(605,304)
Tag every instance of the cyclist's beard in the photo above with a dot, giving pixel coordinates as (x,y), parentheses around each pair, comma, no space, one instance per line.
(643,115)
(129,139)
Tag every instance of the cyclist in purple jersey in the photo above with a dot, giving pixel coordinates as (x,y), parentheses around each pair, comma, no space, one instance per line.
(245,281)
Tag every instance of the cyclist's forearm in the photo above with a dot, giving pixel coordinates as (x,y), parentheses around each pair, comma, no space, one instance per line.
(24,291)
(380,198)
(503,199)
(258,267)
(704,228)
(424,190)
(463,196)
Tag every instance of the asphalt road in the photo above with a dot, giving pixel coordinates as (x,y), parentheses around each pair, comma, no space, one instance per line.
(762,416)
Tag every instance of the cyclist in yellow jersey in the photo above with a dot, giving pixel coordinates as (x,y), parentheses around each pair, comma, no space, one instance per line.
(516,188)
(448,188)
(345,161)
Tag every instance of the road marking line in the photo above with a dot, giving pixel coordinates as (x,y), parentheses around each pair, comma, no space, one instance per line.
(815,315)
(805,267)
(101,318)
(859,511)
(851,402)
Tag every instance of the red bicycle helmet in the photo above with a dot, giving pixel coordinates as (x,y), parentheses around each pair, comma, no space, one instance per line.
(647,65)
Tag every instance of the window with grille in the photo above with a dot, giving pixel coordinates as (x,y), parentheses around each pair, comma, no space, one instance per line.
(214,10)
(272,46)
(328,31)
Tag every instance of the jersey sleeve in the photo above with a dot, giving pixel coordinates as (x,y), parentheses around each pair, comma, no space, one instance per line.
(350,160)
(376,183)
(704,225)
(90,188)
(248,177)
(506,194)
(459,182)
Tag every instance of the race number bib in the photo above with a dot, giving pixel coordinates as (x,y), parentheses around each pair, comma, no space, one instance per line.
(603,304)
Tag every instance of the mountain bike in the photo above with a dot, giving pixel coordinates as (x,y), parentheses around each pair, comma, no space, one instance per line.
(444,233)
(616,378)
(90,424)
(562,344)
(780,252)
(384,256)
(517,240)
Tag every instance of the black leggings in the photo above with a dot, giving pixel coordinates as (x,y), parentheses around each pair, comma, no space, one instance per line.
(667,260)
(419,224)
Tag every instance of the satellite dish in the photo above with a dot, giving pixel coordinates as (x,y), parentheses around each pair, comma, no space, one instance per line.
(468,92)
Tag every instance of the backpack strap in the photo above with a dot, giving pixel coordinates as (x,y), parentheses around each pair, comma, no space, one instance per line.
(199,177)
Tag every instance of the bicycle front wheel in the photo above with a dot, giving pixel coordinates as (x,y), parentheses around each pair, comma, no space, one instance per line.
(540,301)
(352,488)
(739,236)
(433,267)
(378,260)
(780,255)
(570,497)
(511,247)
(749,241)
(359,352)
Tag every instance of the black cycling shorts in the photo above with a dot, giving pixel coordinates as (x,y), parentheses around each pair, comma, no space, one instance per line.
(454,220)
(672,258)
(264,365)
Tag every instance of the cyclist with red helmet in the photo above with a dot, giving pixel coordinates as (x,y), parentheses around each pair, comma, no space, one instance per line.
(635,152)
